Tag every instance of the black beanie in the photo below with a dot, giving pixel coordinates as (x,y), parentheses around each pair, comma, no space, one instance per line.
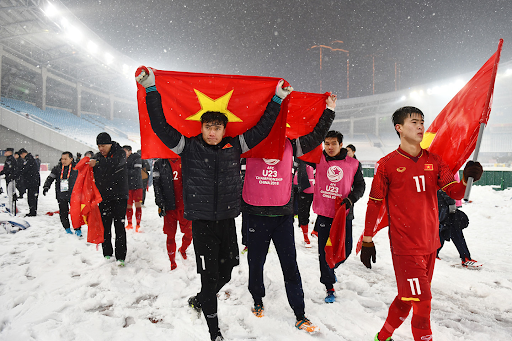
(103,138)
(10,150)
(21,151)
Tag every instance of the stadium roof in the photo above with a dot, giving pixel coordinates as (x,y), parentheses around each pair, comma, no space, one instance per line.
(45,34)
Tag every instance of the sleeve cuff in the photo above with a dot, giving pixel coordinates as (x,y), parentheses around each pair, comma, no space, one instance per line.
(150,88)
(276,99)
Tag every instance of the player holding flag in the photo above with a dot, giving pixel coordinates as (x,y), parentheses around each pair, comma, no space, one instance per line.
(407,180)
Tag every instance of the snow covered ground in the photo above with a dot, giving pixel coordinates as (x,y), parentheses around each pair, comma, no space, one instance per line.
(55,286)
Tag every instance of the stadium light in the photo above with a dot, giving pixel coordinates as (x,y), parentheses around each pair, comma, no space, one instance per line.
(109,58)
(51,11)
(92,47)
(74,33)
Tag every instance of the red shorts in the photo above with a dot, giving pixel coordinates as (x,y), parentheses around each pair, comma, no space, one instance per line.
(413,276)
(134,195)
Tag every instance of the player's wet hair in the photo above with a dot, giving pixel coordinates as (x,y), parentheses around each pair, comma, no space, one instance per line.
(336,134)
(402,113)
(214,117)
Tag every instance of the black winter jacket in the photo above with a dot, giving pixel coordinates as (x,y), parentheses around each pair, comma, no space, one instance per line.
(163,185)
(30,172)
(55,174)
(302,145)
(9,169)
(134,166)
(211,174)
(110,174)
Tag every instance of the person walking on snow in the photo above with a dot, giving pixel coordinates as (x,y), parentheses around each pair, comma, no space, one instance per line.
(168,186)
(211,199)
(111,178)
(337,175)
(407,180)
(268,211)
(64,176)
(133,167)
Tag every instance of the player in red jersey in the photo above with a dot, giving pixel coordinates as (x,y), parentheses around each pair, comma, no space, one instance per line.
(406,181)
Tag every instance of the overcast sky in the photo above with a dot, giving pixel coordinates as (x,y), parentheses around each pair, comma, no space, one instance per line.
(427,40)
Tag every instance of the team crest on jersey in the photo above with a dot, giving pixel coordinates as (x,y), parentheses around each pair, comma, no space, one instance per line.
(271,162)
(334,173)
(228,145)
(429,167)
(400,169)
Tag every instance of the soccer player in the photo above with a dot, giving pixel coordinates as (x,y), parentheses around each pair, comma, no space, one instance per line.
(407,180)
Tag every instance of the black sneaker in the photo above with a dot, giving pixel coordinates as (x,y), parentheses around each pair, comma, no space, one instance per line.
(194,304)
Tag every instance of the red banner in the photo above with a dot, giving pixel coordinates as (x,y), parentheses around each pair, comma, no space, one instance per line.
(304,111)
(186,96)
(454,132)
(335,246)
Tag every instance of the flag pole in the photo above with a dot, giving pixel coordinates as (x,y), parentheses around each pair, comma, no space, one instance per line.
(485,114)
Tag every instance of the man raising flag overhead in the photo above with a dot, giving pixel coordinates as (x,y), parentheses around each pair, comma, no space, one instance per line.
(212,183)
(405,183)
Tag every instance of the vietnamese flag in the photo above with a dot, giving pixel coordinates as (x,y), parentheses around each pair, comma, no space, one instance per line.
(335,245)
(454,132)
(186,96)
(304,111)
(85,198)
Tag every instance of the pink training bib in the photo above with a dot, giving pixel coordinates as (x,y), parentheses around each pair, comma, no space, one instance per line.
(268,182)
(333,179)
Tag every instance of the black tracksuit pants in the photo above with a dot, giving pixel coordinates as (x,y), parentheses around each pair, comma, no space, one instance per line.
(64,213)
(114,210)
(323,227)
(260,231)
(216,249)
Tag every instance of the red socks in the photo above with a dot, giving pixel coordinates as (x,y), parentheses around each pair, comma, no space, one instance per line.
(138,215)
(397,314)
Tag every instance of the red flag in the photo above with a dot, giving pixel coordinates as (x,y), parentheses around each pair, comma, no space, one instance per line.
(186,96)
(454,132)
(84,203)
(335,246)
(304,111)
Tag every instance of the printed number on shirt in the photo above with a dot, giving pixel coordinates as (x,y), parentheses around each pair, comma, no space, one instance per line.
(175,173)
(420,185)
(415,286)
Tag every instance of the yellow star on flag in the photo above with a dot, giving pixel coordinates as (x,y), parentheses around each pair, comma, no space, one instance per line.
(428,137)
(208,104)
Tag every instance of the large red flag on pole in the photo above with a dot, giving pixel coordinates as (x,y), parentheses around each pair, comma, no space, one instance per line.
(186,96)
(454,133)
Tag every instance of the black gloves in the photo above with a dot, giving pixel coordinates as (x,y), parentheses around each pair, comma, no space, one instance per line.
(45,190)
(474,170)
(161,211)
(347,202)
(368,253)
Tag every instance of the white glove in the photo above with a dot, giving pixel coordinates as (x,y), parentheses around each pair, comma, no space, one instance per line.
(145,76)
(283,92)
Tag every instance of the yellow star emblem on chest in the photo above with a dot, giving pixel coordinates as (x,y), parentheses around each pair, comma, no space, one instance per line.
(209,104)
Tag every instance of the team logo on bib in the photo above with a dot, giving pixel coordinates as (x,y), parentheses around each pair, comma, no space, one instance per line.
(335,173)
(271,162)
